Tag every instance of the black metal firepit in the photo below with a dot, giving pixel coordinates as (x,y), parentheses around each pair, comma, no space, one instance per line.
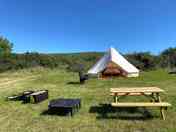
(67,106)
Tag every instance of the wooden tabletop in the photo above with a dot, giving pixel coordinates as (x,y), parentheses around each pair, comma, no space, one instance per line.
(136,90)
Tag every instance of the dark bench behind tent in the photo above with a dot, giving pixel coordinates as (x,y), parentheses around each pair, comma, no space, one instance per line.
(83,77)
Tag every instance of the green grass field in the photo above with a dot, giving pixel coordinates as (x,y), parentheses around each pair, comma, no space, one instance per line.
(92,117)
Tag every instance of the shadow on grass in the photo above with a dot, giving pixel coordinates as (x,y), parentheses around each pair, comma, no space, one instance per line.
(106,111)
(73,83)
(55,112)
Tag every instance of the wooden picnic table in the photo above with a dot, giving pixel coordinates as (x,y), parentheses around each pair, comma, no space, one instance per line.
(152,92)
(137,89)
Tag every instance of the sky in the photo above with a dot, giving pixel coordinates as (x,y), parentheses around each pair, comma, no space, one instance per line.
(63,26)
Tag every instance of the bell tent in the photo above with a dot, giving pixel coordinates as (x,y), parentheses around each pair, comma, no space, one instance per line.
(113,64)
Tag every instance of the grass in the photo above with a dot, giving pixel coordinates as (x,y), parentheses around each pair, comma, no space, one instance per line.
(18,117)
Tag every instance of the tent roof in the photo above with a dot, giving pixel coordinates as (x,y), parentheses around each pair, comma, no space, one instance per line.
(113,56)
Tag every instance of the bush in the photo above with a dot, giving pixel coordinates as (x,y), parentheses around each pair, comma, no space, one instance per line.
(78,61)
(143,60)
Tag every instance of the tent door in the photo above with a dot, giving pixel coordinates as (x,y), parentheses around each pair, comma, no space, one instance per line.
(112,70)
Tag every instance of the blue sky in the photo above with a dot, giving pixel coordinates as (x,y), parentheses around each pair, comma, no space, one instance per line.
(55,26)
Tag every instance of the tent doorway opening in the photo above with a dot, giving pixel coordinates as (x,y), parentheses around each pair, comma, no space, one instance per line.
(112,70)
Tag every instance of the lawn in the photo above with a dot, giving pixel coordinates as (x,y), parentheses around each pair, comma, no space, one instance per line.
(92,117)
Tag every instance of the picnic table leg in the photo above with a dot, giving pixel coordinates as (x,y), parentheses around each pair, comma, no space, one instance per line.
(158,98)
(153,97)
(162,113)
(116,98)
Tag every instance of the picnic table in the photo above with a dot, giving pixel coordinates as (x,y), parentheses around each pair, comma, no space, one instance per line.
(153,93)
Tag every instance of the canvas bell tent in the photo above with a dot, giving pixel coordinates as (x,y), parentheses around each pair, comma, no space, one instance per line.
(113,64)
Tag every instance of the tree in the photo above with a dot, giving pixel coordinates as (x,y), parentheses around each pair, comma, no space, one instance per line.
(168,58)
(5,47)
(143,60)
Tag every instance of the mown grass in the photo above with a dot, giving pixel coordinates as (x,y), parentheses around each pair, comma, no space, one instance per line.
(18,117)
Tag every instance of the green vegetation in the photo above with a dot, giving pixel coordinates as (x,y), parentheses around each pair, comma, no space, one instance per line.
(143,60)
(5,47)
(17,117)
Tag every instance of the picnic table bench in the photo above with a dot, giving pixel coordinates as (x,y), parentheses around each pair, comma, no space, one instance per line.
(152,92)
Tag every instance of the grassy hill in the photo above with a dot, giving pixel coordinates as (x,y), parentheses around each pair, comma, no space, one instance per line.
(18,117)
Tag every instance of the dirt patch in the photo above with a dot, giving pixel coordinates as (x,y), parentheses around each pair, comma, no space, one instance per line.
(18,80)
